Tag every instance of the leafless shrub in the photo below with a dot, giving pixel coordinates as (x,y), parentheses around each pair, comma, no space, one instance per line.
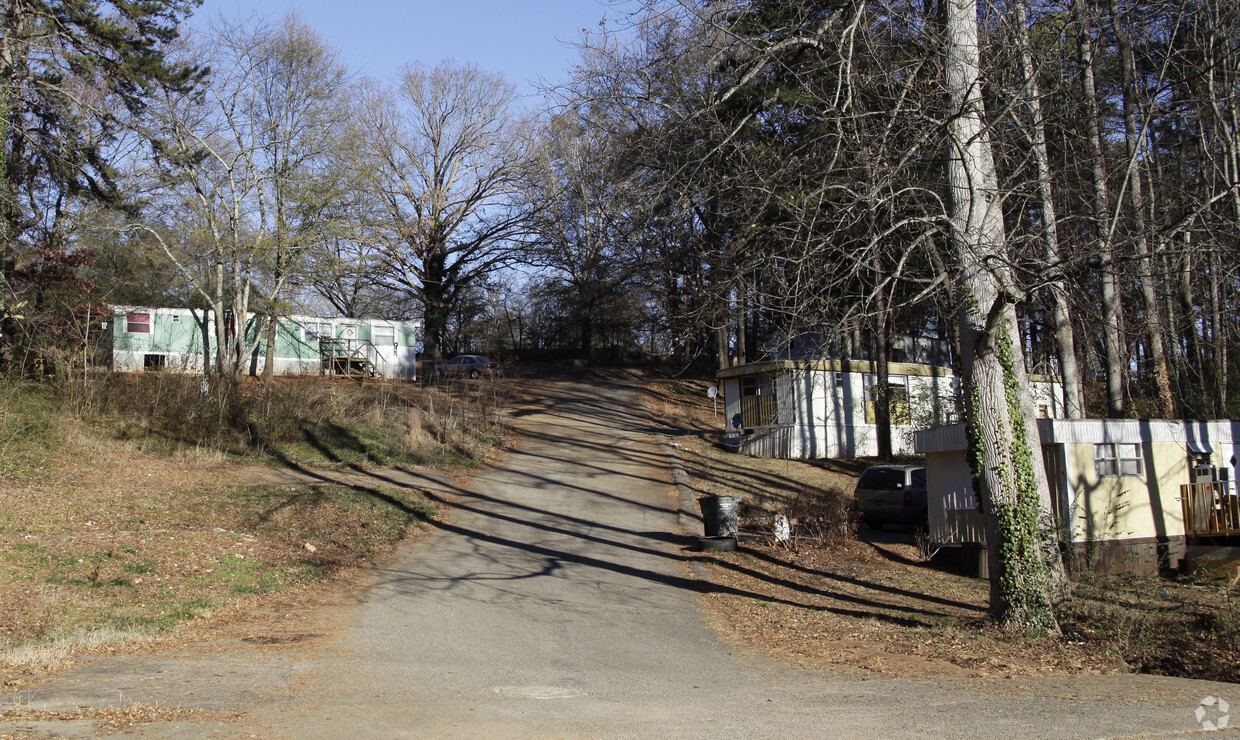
(823,514)
(927,548)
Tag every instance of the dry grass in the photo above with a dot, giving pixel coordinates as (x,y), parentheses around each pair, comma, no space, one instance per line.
(116,529)
(53,655)
(865,602)
(117,545)
(304,420)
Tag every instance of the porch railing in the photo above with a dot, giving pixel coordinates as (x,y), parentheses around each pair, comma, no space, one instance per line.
(352,357)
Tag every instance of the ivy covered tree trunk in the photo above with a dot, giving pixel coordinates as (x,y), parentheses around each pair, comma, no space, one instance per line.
(1025,570)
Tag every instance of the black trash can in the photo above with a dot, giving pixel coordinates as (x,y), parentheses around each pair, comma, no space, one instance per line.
(719,515)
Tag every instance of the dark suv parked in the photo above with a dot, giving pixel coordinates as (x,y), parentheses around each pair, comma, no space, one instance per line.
(892,494)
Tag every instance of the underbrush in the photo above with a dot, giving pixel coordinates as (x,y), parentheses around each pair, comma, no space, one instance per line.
(306,421)
(29,427)
(1159,626)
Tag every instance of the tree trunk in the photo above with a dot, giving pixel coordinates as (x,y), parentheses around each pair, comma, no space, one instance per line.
(1219,338)
(12,173)
(1113,348)
(1153,326)
(1187,320)
(741,328)
(1003,448)
(434,289)
(1065,343)
(586,325)
(269,358)
(1230,135)
(882,385)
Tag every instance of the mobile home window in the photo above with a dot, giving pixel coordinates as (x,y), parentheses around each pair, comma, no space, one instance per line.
(897,399)
(315,332)
(897,386)
(1117,459)
(138,323)
(758,407)
(382,336)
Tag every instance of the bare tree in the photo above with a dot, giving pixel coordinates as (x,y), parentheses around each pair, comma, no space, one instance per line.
(1074,398)
(1113,347)
(343,272)
(445,159)
(582,230)
(1020,530)
(1136,197)
(298,106)
(236,189)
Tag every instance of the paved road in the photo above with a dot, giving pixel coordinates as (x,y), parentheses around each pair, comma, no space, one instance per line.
(556,602)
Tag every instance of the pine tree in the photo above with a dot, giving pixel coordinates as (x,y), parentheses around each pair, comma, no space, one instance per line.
(72,73)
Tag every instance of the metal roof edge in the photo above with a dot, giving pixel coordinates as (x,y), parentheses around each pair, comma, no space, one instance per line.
(846,366)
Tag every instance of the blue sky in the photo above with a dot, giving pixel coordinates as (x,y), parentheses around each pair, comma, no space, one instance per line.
(519,39)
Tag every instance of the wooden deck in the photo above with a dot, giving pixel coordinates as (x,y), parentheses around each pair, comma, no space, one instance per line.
(1210,510)
(349,357)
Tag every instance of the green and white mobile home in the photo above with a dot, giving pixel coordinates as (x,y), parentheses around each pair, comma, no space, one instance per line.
(183,339)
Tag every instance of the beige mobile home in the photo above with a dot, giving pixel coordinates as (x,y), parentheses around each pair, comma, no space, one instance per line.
(1130,494)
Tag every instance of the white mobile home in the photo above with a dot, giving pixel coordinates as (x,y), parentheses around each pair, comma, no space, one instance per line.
(825,409)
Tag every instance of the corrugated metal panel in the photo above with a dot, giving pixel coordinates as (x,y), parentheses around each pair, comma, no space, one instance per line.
(1095,431)
(939,439)
(1132,431)
(773,442)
